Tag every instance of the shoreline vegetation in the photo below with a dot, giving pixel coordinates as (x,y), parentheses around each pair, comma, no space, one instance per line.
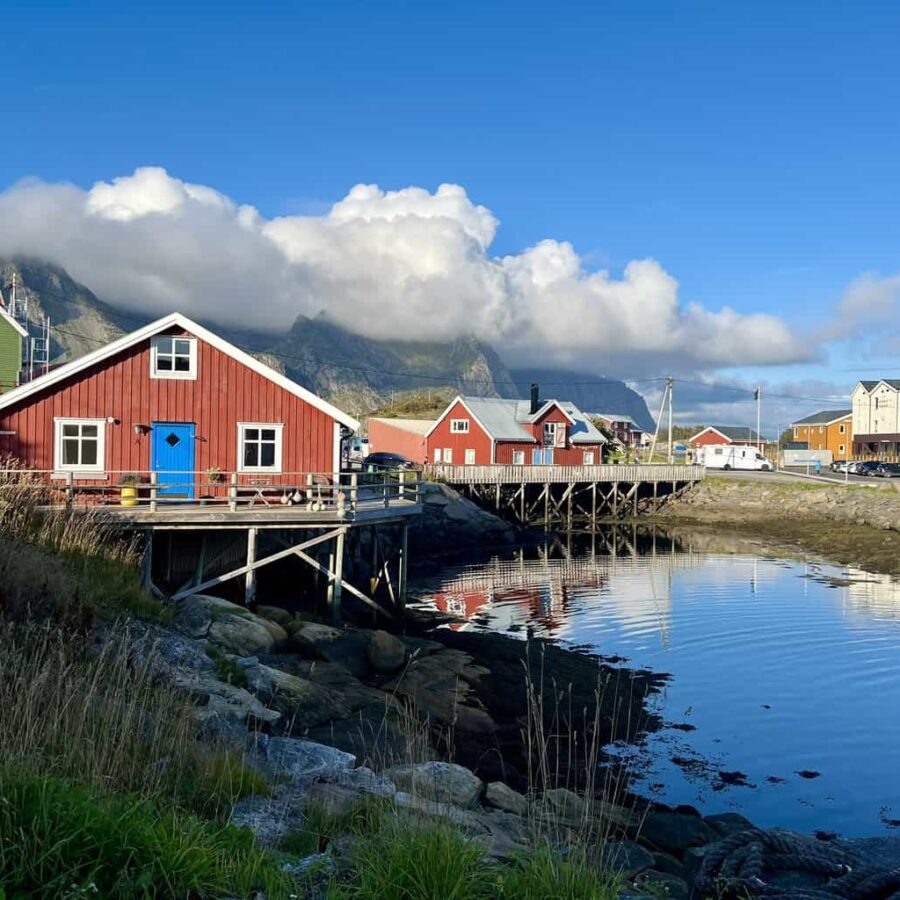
(857,526)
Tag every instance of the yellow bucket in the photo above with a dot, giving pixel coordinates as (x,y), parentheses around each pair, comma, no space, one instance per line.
(129,495)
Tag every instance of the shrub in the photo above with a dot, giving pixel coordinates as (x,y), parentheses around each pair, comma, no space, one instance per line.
(61,840)
(545,875)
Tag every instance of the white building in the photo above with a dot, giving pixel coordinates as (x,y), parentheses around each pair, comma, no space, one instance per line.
(876,418)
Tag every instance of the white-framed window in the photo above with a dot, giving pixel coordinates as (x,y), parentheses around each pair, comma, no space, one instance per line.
(587,458)
(796,434)
(842,429)
(549,434)
(259,446)
(470,457)
(172,356)
(518,458)
(437,454)
(448,455)
(840,447)
(459,426)
(80,445)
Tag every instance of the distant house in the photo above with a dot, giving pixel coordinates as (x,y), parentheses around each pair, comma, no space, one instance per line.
(623,428)
(171,398)
(830,429)
(725,434)
(876,419)
(487,430)
(12,343)
(406,436)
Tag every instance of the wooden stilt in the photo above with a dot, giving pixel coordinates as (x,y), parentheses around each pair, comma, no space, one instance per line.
(404,559)
(335,586)
(250,576)
(147,560)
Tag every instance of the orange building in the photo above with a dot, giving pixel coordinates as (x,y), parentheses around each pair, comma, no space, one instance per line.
(831,429)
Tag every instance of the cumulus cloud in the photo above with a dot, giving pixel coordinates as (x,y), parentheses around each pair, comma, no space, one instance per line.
(391,264)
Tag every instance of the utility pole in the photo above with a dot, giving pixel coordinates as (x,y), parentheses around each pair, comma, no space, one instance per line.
(758,418)
(670,388)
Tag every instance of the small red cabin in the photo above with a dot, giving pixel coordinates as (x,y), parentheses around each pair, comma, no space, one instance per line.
(171,398)
(493,430)
(714,435)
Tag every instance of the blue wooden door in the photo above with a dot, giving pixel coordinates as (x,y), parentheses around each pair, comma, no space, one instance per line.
(173,458)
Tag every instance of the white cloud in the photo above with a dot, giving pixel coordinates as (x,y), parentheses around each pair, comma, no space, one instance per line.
(390,264)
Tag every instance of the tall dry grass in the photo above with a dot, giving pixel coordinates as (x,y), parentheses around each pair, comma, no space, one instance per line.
(100,720)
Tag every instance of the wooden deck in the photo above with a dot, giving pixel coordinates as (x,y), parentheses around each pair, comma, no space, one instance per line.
(567,497)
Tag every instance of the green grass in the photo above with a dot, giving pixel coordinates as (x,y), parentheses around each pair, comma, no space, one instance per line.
(61,840)
(366,817)
(545,875)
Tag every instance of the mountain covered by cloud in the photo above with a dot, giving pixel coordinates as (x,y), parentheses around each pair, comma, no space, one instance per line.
(407,264)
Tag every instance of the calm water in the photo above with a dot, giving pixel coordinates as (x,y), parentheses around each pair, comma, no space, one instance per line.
(778,667)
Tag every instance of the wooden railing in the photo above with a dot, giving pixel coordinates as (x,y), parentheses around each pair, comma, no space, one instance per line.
(343,494)
(564,474)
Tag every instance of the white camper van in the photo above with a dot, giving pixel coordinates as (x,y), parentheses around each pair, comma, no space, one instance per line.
(732,456)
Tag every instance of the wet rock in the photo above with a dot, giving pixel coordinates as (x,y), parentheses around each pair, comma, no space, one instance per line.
(728,823)
(303,703)
(302,761)
(665,862)
(440,781)
(385,652)
(675,833)
(613,816)
(498,795)
(626,858)
(670,885)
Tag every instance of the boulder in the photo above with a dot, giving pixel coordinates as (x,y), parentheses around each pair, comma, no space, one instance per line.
(663,884)
(675,833)
(422,807)
(728,823)
(507,835)
(385,652)
(334,800)
(219,700)
(439,781)
(626,858)
(565,806)
(301,761)
(228,625)
(303,703)
(268,818)
(333,676)
(502,797)
(311,636)
(364,781)
(275,614)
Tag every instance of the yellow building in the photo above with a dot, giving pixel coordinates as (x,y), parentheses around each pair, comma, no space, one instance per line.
(831,429)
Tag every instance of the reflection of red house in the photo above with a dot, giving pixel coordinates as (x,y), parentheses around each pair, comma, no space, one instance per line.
(535,605)
(492,430)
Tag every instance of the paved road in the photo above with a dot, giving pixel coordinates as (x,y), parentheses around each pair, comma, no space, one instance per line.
(795,475)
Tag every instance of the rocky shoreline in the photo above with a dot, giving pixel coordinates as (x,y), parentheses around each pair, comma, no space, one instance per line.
(435,724)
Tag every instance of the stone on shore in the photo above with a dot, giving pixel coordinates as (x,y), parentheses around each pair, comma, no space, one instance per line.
(301,761)
(676,833)
(442,782)
(503,797)
(303,703)
(626,858)
(268,818)
(228,625)
(385,652)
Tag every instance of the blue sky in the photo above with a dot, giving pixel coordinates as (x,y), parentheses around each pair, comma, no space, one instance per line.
(751,149)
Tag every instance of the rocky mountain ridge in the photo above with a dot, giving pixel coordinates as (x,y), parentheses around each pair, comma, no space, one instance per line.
(350,370)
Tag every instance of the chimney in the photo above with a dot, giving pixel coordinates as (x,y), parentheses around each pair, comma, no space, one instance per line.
(535,399)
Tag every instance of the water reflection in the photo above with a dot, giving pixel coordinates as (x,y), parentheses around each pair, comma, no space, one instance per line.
(778,667)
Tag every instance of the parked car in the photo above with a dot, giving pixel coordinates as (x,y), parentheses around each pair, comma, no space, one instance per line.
(865,467)
(840,465)
(387,462)
(887,470)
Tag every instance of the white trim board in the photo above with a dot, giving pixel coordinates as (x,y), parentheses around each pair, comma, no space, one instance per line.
(174,320)
(5,315)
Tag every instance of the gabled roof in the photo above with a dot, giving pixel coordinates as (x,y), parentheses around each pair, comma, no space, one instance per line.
(825,417)
(504,419)
(173,320)
(890,382)
(618,417)
(6,317)
(729,432)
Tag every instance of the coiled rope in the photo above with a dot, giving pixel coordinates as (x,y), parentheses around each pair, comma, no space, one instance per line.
(739,865)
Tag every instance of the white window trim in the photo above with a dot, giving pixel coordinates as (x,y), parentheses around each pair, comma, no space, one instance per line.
(437,454)
(584,458)
(57,445)
(518,458)
(459,426)
(469,452)
(173,375)
(279,443)
(448,455)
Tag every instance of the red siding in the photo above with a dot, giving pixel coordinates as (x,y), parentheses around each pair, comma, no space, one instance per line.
(387,437)
(224,393)
(712,438)
(476,439)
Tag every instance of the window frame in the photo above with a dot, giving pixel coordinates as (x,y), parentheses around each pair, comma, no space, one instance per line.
(59,466)
(174,375)
(448,455)
(518,457)
(459,426)
(469,454)
(275,469)
(584,458)
(437,455)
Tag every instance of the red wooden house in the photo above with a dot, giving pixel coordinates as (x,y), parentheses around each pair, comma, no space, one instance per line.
(492,430)
(171,398)
(713,435)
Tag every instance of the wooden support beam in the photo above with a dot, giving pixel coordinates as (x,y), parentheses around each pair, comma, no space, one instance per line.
(147,560)
(404,559)
(250,574)
(258,564)
(335,585)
